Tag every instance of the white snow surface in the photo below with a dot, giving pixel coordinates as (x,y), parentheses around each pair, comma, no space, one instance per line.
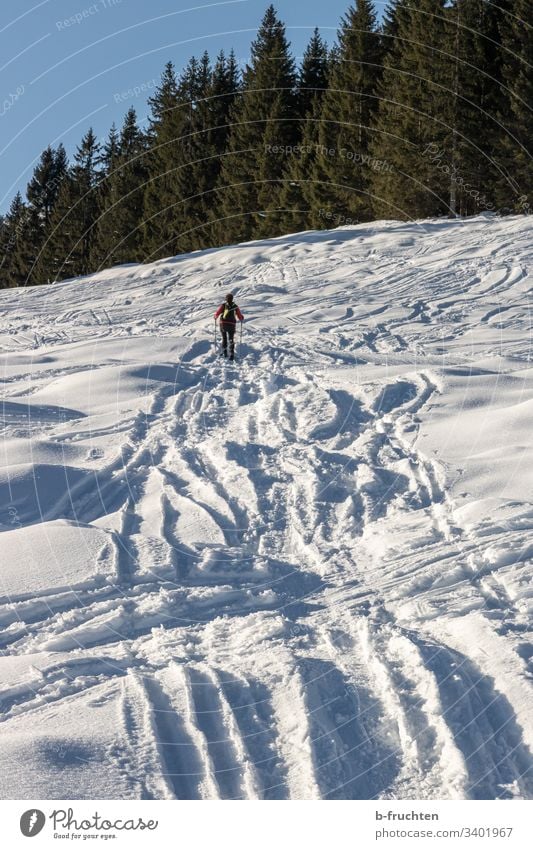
(303,576)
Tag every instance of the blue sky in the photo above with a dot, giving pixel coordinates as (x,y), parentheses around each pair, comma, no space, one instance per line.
(70,64)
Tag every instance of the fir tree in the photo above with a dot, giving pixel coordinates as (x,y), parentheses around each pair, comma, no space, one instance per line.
(313,74)
(43,188)
(515,188)
(165,131)
(26,258)
(67,251)
(20,239)
(264,118)
(107,161)
(119,230)
(206,141)
(415,114)
(110,151)
(295,197)
(131,175)
(192,174)
(478,97)
(3,242)
(390,25)
(298,193)
(340,174)
(225,84)
(42,193)
(11,237)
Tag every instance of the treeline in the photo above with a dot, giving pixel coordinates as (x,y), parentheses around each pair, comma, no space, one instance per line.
(428,113)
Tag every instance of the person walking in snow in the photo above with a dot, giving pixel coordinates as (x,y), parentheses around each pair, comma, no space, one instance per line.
(228,312)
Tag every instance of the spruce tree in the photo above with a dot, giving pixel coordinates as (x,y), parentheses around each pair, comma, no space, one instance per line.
(295,196)
(42,193)
(313,74)
(339,189)
(11,238)
(4,240)
(478,98)
(416,114)
(20,238)
(110,152)
(297,199)
(119,229)
(515,188)
(206,141)
(107,161)
(264,127)
(132,173)
(224,86)
(164,135)
(191,174)
(390,25)
(68,249)
(26,256)
(43,188)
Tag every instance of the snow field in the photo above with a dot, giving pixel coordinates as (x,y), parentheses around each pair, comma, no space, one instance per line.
(304,576)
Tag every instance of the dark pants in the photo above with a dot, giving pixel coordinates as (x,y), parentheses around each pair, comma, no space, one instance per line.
(228,332)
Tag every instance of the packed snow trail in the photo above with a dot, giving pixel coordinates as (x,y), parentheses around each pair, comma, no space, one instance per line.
(306,575)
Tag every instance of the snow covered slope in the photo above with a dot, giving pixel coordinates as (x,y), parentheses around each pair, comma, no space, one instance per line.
(304,576)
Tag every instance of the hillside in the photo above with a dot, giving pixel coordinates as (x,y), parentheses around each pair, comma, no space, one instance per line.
(307,575)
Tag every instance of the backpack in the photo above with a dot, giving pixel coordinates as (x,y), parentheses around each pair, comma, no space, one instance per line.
(229,311)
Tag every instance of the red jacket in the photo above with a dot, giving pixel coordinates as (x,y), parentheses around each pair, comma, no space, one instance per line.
(229,321)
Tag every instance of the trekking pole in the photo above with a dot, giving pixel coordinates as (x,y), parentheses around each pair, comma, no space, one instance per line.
(215,339)
(240,343)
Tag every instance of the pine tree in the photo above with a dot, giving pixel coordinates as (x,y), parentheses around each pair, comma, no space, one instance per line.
(110,152)
(164,135)
(132,174)
(224,87)
(19,244)
(119,233)
(295,196)
(206,141)
(415,115)
(298,193)
(191,175)
(4,238)
(515,188)
(107,162)
(42,193)
(26,256)
(43,188)
(340,177)
(11,234)
(264,126)
(390,25)
(68,249)
(478,98)
(313,74)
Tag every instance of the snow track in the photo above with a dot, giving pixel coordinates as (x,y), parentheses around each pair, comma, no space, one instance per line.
(305,575)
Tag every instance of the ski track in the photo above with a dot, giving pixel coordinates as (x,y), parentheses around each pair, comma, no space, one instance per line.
(287,572)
